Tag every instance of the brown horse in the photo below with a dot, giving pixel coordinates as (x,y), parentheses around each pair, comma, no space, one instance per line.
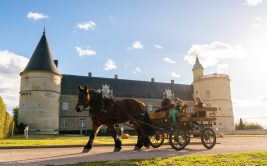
(108,111)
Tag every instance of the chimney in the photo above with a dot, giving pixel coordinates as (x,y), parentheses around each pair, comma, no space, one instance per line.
(172,81)
(56,62)
(115,76)
(89,74)
(153,80)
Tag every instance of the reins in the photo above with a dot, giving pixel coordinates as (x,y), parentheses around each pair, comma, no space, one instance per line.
(132,118)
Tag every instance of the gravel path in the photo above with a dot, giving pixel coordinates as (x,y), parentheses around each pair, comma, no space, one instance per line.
(45,156)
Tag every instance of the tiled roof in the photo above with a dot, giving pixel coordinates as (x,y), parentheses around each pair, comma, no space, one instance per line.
(126,88)
(42,59)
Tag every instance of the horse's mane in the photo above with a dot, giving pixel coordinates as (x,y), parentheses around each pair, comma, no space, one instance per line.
(96,98)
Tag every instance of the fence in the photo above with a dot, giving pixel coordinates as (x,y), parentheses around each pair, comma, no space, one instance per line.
(6,123)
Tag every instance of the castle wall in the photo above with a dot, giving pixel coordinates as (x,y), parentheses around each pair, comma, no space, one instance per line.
(39,101)
(70,119)
(215,91)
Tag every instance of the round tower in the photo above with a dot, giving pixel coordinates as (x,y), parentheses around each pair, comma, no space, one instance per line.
(40,91)
(214,90)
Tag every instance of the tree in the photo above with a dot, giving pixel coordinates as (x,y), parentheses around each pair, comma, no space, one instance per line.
(246,126)
(241,125)
(2,105)
(15,115)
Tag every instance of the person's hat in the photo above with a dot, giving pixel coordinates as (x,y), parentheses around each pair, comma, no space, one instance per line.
(177,99)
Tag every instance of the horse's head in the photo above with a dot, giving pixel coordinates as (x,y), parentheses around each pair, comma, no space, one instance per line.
(83,98)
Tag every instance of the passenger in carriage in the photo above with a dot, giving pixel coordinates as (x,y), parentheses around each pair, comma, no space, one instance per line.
(199,104)
(178,109)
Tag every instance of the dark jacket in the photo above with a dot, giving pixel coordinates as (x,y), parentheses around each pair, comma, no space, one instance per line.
(165,104)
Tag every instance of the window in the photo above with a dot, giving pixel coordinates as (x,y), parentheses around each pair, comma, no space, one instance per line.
(149,108)
(219,108)
(196,92)
(82,123)
(64,123)
(207,94)
(65,106)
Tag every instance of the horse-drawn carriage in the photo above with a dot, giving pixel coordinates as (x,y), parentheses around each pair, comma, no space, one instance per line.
(197,123)
(109,111)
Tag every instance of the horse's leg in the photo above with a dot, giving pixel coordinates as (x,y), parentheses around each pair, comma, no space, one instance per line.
(93,133)
(146,141)
(139,143)
(117,141)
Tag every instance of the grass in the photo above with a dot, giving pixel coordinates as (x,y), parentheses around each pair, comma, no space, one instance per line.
(52,140)
(249,135)
(256,158)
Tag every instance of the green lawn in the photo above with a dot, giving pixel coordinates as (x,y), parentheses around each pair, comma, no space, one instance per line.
(45,140)
(242,159)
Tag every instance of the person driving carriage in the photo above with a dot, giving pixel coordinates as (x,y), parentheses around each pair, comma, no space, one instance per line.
(165,103)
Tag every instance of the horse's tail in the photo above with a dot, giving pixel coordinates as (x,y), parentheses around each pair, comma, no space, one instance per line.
(148,128)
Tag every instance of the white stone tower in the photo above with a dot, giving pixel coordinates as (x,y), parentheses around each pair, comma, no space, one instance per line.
(214,90)
(40,91)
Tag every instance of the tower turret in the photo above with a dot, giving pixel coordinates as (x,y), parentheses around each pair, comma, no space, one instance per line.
(198,70)
(40,91)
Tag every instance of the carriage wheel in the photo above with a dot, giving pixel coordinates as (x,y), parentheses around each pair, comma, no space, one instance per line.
(208,138)
(156,140)
(188,137)
(178,139)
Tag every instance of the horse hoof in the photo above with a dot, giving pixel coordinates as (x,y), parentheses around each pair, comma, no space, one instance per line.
(86,150)
(137,149)
(117,150)
(147,147)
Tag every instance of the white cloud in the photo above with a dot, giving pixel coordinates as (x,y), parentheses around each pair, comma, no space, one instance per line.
(168,60)
(254,25)
(211,54)
(11,65)
(136,70)
(36,16)
(175,75)
(222,67)
(90,25)
(84,52)
(248,102)
(109,65)
(158,46)
(257,21)
(257,18)
(253,2)
(136,45)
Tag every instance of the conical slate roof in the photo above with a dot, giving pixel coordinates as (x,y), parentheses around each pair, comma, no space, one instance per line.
(197,64)
(42,59)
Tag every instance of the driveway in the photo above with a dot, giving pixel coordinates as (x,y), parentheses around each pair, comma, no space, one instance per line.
(43,156)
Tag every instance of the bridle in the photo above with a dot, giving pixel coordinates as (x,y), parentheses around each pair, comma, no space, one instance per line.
(85,103)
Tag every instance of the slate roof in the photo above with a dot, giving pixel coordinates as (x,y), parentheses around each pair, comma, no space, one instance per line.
(42,59)
(126,88)
(197,64)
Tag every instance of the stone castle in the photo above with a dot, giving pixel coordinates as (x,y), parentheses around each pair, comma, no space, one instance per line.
(48,98)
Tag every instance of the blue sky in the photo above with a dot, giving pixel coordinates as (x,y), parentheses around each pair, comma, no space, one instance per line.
(139,40)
